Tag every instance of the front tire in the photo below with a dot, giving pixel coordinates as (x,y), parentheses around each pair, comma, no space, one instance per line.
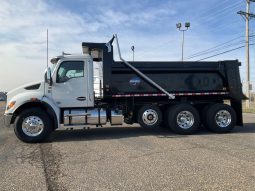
(149,116)
(183,119)
(33,125)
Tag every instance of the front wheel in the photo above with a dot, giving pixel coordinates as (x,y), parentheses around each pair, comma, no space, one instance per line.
(33,125)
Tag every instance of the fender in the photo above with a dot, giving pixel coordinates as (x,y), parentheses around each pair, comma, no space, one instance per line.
(35,99)
(55,109)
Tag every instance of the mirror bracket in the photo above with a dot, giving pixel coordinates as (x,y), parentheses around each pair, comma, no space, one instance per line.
(48,78)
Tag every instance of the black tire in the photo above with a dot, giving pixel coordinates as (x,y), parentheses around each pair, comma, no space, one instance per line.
(214,123)
(149,116)
(175,122)
(164,124)
(39,115)
(204,113)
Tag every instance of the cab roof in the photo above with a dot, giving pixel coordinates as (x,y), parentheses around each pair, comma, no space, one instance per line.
(54,60)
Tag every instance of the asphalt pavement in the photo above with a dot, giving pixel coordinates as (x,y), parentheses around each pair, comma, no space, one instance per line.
(130,158)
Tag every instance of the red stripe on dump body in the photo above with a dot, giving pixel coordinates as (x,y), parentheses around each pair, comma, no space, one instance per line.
(175,94)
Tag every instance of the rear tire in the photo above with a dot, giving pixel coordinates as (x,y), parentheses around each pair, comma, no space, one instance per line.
(33,125)
(164,124)
(220,118)
(204,113)
(149,116)
(183,119)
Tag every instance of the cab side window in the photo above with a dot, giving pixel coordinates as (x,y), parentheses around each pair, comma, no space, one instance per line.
(70,69)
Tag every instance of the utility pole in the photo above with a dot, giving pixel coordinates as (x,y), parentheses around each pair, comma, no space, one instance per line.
(247,16)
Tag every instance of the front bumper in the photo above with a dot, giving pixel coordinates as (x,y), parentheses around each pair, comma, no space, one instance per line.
(7,119)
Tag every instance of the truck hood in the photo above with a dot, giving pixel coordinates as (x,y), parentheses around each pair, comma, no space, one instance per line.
(35,86)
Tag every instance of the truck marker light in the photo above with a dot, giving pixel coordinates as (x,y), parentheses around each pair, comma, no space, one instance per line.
(10,105)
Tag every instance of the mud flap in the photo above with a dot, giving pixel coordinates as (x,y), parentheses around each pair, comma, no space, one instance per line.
(237,106)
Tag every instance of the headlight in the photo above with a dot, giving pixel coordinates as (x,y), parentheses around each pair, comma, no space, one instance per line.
(10,105)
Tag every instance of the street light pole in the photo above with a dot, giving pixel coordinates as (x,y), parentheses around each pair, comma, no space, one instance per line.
(133,50)
(182,44)
(179,25)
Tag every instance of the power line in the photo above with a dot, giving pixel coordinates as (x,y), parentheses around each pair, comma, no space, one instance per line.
(222,26)
(220,11)
(211,11)
(214,47)
(208,18)
(211,20)
(224,52)
(221,53)
(219,47)
(226,9)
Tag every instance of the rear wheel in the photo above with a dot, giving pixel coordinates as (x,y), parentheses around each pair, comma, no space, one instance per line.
(149,116)
(220,118)
(183,119)
(33,125)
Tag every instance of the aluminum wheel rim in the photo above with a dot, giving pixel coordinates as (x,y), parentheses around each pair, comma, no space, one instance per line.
(185,119)
(223,118)
(32,126)
(150,117)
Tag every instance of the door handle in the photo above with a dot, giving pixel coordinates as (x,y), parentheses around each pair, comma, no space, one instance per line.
(81,98)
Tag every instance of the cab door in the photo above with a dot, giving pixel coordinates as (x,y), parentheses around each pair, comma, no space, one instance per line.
(70,88)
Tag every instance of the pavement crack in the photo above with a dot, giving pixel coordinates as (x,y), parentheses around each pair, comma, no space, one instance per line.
(44,168)
(51,159)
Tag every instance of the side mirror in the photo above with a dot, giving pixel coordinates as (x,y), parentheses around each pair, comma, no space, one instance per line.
(48,77)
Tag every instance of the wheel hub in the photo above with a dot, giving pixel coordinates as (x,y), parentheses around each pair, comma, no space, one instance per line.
(223,118)
(185,119)
(150,117)
(32,126)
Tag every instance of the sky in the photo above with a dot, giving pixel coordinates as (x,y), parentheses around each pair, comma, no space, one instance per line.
(149,25)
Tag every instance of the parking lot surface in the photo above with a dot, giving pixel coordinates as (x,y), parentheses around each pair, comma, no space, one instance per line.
(130,158)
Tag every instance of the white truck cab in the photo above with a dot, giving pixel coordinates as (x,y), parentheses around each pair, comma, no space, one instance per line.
(72,77)
(66,96)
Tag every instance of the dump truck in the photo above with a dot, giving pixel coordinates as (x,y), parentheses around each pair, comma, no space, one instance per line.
(92,89)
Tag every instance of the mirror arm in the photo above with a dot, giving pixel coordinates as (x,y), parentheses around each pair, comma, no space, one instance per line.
(51,82)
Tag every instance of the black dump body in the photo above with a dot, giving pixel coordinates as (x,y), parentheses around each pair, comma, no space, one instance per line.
(178,77)
(174,77)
